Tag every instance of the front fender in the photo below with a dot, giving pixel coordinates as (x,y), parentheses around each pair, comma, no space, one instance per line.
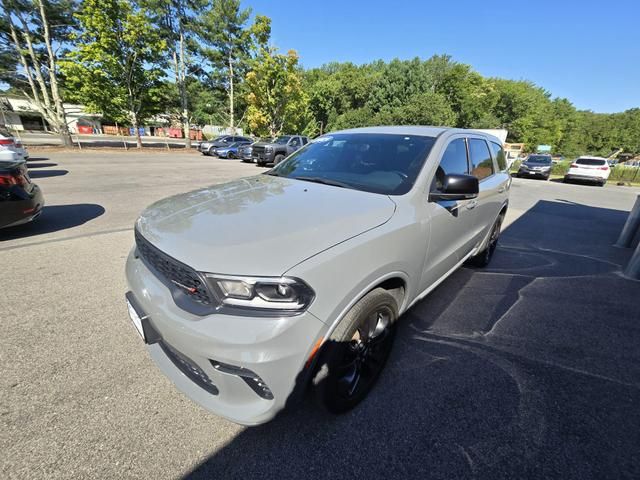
(343,274)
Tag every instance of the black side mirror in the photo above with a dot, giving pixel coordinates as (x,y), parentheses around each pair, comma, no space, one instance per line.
(456,187)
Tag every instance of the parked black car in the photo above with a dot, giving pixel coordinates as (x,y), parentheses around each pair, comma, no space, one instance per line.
(274,152)
(207,148)
(536,166)
(21,200)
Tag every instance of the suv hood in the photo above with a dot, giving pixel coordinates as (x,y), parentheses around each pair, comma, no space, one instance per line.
(261,225)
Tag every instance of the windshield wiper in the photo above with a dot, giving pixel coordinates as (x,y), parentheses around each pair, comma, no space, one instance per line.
(324,181)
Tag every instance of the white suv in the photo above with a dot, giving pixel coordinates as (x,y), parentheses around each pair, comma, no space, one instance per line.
(11,148)
(592,169)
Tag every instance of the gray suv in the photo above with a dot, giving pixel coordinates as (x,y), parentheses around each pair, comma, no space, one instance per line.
(264,153)
(249,292)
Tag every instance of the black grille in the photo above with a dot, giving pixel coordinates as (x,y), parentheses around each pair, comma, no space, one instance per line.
(257,151)
(185,283)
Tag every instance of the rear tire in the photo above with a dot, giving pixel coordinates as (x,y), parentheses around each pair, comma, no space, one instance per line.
(483,258)
(353,358)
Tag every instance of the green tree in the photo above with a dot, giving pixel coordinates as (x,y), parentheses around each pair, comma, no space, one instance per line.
(116,67)
(31,34)
(276,100)
(228,43)
(177,24)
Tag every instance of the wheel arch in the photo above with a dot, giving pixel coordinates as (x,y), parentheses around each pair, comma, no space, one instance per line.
(397,283)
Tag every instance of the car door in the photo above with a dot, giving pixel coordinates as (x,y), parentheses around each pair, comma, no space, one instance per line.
(493,184)
(293,145)
(451,223)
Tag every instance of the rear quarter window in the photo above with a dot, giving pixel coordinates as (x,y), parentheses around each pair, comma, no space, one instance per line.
(498,154)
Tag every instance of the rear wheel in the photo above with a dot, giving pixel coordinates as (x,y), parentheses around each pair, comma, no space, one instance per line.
(355,355)
(483,258)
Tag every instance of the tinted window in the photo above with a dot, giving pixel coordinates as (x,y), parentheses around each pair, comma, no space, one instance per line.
(481,163)
(378,163)
(305,140)
(590,161)
(282,140)
(498,154)
(539,159)
(454,159)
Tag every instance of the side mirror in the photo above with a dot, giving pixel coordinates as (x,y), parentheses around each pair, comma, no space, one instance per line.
(456,187)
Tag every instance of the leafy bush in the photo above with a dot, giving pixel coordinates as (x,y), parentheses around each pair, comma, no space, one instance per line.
(626,174)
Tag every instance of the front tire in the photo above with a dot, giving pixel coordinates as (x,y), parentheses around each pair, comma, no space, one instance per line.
(483,258)
(355,355)
(278,159)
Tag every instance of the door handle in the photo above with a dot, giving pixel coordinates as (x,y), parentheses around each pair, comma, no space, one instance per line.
(472,204)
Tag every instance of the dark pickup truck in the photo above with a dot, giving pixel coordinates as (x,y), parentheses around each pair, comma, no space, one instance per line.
(274,152)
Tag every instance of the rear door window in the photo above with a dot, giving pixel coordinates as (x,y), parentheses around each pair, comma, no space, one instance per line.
(481,162)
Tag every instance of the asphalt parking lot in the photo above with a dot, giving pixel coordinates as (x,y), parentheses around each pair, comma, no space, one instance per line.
(529,369)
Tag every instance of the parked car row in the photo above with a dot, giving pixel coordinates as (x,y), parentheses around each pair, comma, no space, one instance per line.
(262,152)
(585,168)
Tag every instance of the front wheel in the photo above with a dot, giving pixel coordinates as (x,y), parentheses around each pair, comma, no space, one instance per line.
(355,355)
(278,159)
(483,258)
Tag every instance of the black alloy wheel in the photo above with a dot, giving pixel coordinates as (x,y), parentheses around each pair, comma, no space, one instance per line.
(358,352)
(483,258)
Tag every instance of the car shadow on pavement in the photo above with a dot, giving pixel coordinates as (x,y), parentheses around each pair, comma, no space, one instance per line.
(31,165)
(54,218)
(37,159)
(526,369)
(46,173)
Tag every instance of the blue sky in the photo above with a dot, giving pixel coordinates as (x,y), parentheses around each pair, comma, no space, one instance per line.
(586,51)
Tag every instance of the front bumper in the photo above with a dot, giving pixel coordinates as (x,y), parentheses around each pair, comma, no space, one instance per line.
(275,349)
(534,173)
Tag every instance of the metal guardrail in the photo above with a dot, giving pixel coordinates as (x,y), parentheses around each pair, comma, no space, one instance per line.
(631,231)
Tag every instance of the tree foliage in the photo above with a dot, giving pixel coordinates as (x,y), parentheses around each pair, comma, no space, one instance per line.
(116,66)
(228,44)
(440,91)
(277,103)
(31,34)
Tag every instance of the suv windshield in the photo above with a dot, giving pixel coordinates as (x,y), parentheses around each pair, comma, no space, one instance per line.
(590,161)
(539,159)
(282,140)
(378,163)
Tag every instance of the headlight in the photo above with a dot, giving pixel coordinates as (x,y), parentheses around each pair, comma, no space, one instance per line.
(274,295)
